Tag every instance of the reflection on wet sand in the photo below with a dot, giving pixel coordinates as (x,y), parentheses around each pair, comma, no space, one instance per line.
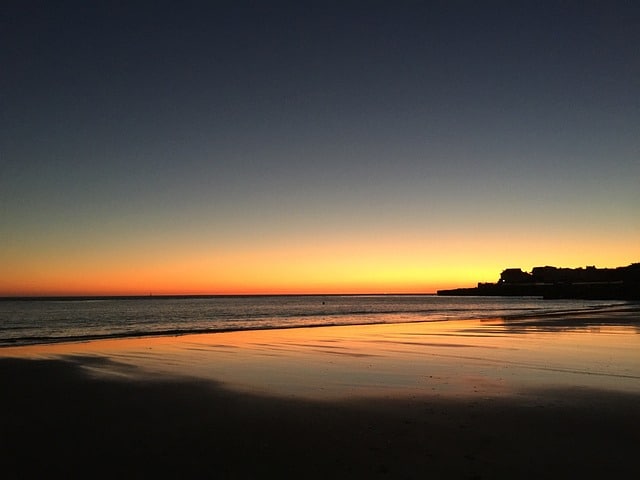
(589,320)
(488,358)
(463,399)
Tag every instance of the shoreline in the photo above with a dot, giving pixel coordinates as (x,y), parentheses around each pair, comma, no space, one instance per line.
(502,355)
(463,399)
(627,312)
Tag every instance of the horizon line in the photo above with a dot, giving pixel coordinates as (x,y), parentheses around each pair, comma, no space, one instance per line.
(201,295)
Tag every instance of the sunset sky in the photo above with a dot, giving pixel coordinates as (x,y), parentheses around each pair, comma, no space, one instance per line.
(314,147)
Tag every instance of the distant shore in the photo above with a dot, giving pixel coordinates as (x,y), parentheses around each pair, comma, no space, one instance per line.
(595,291)
(590,283)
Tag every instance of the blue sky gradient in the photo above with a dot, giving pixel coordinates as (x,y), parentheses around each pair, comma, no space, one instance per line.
(212,125)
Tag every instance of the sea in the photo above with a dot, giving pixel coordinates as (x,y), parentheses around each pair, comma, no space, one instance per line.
(28,321)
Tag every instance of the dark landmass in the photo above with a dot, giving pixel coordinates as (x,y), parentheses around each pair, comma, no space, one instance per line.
(590,283)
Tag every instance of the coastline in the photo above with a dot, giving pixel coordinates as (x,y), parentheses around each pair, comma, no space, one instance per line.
(81,320)
(548,291)
(463,399)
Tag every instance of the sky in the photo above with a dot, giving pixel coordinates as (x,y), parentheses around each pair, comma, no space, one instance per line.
(314,147)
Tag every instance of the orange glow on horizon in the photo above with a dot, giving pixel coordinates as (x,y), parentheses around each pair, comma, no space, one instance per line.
(320,265)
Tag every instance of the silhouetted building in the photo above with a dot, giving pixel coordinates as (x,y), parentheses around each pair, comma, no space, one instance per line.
(514,275)
(622,283)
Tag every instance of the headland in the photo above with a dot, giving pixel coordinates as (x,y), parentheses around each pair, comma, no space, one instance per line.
(589,283)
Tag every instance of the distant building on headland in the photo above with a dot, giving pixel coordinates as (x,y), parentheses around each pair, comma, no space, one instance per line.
(621,283)
(514,275)
(570,275)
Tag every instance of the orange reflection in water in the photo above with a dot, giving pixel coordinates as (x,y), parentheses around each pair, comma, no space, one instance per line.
(483,358)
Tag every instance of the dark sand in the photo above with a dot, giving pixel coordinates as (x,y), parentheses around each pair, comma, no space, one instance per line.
(59,417)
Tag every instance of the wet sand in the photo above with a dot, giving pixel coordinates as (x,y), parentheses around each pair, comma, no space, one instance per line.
(450,399)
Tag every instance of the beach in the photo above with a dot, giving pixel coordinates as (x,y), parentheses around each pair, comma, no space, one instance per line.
(463,399)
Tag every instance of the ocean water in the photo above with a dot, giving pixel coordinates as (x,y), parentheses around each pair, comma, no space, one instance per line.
(33,321)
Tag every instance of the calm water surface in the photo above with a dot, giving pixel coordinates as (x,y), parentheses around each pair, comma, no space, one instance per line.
(24,322)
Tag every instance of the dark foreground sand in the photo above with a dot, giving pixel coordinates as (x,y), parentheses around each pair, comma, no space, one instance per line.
(57,418)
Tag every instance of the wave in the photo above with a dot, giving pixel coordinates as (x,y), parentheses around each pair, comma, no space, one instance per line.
(36,340)
(28,323)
